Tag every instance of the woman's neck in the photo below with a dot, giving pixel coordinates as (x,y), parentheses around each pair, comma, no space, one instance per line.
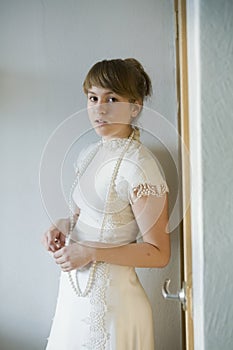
(123,133)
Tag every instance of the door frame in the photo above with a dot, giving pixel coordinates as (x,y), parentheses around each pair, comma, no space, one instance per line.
(195,146)
(184,127)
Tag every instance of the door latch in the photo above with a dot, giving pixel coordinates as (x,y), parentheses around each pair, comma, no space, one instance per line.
(180,296)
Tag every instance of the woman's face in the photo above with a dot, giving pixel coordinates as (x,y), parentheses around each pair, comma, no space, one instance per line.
(110,114)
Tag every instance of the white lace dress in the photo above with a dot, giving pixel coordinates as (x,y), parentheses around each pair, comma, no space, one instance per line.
(116,314)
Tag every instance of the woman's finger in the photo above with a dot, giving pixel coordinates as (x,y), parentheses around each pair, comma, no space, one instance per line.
(62,240)
(58,254)
(53,240)
(65,268)
(60,260)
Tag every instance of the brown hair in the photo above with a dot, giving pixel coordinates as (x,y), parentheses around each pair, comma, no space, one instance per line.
(124,77)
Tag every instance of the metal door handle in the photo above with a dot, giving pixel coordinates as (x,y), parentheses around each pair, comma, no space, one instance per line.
(180,296)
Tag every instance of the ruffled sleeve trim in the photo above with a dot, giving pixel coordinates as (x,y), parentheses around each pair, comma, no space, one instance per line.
(146,189)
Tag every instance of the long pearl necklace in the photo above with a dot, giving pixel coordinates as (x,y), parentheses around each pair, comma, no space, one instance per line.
(76,286)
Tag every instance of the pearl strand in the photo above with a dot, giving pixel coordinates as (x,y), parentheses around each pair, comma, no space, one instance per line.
(76,287)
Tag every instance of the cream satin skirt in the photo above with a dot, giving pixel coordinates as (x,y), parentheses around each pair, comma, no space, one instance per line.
(116,314)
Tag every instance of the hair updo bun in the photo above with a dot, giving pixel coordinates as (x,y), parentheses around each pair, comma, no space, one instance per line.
(146,82)
(125,77)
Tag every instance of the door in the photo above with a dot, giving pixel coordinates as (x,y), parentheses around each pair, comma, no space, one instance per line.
(184,295)
(184,130)
(182,85)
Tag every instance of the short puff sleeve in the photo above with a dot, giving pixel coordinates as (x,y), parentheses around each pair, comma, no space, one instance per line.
(145,177)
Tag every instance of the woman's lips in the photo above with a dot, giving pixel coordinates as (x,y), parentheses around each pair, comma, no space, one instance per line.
(100,122)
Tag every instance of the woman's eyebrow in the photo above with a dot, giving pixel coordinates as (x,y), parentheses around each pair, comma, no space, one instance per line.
(94,93)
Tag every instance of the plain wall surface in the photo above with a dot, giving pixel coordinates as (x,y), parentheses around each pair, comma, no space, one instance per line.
(216,52)
(47,48)
(211,125)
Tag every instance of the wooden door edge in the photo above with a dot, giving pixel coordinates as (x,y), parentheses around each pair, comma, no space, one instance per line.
(183,120)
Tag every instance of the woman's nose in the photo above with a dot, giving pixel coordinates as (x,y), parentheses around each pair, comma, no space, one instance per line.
(101,107)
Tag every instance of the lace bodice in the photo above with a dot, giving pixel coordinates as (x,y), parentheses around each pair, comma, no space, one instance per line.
(138,175)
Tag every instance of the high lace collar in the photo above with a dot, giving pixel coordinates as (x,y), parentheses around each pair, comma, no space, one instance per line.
(119,142)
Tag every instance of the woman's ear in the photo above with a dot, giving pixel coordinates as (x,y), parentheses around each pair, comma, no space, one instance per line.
(136,108)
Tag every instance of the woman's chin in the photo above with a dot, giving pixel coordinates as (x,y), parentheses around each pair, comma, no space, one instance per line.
(112,130)
(103,130)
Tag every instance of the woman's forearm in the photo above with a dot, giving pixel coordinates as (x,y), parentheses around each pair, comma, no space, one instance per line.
(135,254)
(143,254)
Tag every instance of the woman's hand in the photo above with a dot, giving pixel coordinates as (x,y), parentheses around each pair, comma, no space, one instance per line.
(74,256)
(53,239)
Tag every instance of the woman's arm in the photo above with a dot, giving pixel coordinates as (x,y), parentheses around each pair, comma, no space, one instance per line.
(151,214)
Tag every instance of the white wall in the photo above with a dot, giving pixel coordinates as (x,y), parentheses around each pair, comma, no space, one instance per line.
(46,49)
(211,125)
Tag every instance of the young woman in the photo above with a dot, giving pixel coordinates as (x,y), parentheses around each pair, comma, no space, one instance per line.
(119,195)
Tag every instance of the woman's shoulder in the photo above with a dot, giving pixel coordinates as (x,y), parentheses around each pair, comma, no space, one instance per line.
(143,165)
(140,153)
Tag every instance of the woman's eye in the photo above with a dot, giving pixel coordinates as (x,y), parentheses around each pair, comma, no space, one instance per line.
(93,98)
(113,99)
